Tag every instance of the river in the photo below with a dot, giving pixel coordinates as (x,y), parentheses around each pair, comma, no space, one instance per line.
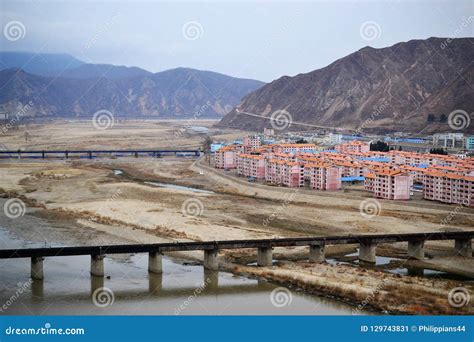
(128,289)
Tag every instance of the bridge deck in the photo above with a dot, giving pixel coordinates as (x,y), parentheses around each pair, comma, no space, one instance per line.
(230,244)
(95,151)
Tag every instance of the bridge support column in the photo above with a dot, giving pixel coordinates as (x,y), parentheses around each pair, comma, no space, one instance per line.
(97,265)
(264,256)
(155,262)
(367,252)
(416,249)
(210,259)
(316,253)
(463,247)
(37,268)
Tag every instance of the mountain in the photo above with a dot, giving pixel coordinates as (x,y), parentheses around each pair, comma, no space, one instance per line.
(47,64)
(104,70)
(64,65)
(178,93)
(410,86)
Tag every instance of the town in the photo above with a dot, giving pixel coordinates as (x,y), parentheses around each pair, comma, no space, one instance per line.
(393,175)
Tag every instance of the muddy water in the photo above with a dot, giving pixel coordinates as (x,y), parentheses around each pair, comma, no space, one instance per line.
(183,289)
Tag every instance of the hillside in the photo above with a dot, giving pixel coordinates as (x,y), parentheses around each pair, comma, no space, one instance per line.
(126,92)
(373,90)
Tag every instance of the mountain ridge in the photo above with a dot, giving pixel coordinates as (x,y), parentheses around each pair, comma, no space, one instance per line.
(128,92)
(389,89)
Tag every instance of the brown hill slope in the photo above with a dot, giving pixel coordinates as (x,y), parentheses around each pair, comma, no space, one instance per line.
(373,90)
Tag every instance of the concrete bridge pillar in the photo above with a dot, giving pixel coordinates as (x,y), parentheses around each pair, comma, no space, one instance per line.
(97,265)
(264,256)
(316,253)
(37,268)
(211,280)
(463,247)
(96,283)
(155,283)
(155,262)
(367,252)
(210,259)
(416,249)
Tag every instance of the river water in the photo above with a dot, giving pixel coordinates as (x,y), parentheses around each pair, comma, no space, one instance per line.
(128,289)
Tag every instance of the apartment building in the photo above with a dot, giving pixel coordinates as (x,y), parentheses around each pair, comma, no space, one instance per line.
(369,182)
(353,146)
(350,168)
(449,140)
(226,158)
(391,184)
(287,173)
(448,188)
(323,176)
(292,174)
(251,166)
(252,141)
(293,148)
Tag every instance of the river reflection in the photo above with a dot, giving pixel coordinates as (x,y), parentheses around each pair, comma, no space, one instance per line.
(68,288)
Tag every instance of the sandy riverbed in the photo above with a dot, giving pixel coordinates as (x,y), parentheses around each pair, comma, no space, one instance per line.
(231,208)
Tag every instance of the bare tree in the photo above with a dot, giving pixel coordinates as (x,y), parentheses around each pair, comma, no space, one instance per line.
(206,148)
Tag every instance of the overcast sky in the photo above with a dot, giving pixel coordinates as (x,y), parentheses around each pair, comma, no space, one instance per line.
(254,39)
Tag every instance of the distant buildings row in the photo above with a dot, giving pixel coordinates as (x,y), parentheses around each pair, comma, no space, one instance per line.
(389,175)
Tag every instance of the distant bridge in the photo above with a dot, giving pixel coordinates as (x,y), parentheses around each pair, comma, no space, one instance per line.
(90,154)
(367,249)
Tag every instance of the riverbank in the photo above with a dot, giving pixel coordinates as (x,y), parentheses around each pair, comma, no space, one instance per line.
(130,205)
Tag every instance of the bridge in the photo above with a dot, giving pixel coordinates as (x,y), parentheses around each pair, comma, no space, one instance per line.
(367,249)
(90,154)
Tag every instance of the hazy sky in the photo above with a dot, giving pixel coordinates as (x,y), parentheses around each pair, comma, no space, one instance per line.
(254,39)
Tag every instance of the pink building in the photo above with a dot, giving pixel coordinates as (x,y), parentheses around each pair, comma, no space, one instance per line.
(324,176)
(251,166)
(225,158)
(285,173)
(392,184)
(353,146)
(369,182)
(252,141)
(293,148)
(448,188)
